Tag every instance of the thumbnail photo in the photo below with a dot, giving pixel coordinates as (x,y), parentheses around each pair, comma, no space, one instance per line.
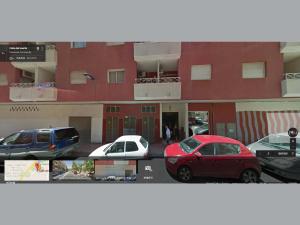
(115,170)
(73,170)
(26,170)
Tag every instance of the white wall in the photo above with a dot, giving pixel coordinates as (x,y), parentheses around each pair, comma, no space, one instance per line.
(50,116)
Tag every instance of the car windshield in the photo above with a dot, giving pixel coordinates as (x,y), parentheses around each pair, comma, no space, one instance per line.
(280,142)
(10,139)
(188,145)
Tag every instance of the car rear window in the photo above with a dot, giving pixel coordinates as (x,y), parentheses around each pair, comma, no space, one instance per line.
(43,137)
(144,142)
(64,134)
(131,146)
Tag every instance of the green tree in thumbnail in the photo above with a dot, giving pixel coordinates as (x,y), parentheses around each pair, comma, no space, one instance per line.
(89,165)
(74,166)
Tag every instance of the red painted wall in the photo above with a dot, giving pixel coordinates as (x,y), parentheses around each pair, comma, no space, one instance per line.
(96,59)
(226,80)
(13,75)
(226,60)
(134,110)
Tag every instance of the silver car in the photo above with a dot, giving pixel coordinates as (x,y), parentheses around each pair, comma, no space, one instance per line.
(287,167)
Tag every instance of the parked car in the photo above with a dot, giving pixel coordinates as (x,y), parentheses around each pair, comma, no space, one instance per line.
(211,156)
(203,129)
(39,143)
(287,167)
(127,146)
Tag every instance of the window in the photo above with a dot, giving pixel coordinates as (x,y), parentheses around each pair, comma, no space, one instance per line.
(131,146)
(78,44)
(11,139)
(227,149)
(64,134)
(188,145)
(144,142)
(118,147)
(77,77)
(254,70)
(201,72)
(112,109)
(116,76)
(43,137)
(3,79)
(207,150)
(279,142)
(23,138)
(148,108)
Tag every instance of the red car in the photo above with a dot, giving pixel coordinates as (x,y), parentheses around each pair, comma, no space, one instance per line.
(211,156)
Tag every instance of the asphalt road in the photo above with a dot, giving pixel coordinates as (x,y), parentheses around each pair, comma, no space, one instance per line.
(71,176)
(154,171)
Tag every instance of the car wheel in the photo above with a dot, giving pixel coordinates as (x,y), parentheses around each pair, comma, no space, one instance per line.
(184,174)
(249,176)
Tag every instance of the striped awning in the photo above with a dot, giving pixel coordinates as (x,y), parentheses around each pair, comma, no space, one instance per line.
(254,125)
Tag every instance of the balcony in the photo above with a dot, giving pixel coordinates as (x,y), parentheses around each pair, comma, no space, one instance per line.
(27,92)
(49,63)
(148,51)
(157,88)
(290,85)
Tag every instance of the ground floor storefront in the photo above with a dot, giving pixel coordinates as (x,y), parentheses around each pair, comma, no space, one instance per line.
(86,118)
(103,122)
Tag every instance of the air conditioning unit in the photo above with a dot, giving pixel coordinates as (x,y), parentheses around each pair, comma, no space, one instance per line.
(28,75)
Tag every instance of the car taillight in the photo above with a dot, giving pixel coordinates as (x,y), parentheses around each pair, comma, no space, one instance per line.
(52,147)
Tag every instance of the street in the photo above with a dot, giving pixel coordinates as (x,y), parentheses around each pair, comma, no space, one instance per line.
(71,176)
(159,173)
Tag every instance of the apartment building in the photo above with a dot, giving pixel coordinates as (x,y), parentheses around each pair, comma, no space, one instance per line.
(243,90)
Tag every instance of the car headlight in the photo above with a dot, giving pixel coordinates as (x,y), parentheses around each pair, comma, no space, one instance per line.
(172,160)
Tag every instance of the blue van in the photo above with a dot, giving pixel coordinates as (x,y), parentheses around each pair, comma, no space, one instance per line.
(39,143)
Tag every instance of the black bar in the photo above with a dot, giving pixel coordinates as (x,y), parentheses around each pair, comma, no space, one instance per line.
(276,153)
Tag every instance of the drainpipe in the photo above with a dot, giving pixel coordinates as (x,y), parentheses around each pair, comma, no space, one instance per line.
(158,71)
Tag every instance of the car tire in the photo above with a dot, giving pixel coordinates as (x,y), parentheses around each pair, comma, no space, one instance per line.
(184,174)
(249,176)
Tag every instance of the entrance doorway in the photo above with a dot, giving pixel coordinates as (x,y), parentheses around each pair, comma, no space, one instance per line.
(83,126)
(148,128)
(112,128)
(129,125)
(171,120)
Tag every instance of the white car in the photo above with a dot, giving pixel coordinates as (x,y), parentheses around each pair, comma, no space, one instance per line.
(127,146)
(288,167)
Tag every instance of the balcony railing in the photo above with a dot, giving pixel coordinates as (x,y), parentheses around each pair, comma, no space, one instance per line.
(290,85)
(157,88)
(291,76)
(33,92)
(39,85)
(157,80)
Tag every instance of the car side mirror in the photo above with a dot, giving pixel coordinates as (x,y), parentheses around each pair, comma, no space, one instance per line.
(198,155)
(1,140)
(107,151)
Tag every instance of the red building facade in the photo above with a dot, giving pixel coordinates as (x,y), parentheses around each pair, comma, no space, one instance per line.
(141,87)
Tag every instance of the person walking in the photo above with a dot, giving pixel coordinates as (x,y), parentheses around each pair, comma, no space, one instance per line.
(168,135)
